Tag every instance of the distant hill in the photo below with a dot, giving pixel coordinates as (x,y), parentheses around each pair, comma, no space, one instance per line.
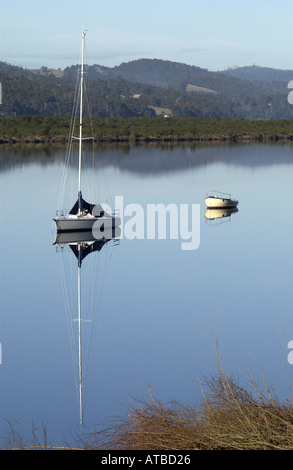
(257,73)
(177,76)
(149,87)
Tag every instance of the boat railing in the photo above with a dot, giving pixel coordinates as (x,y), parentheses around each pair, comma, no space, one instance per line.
(62,247)
(64,212)
(214,193)
(61,213)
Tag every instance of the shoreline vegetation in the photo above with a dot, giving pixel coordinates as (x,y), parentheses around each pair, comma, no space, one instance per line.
(43,129)
(230,416)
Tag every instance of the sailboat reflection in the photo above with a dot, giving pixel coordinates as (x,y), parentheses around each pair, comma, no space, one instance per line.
(82,244)
(215,216)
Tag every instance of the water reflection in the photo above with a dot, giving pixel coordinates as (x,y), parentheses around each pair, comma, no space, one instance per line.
(220,215)
(82,244)
(161,158)
(155,328)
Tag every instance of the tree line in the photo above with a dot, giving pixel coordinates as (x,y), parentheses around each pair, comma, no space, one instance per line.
(52,129)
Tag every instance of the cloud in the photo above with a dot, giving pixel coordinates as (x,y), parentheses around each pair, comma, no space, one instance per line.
(192,50)
(241,46)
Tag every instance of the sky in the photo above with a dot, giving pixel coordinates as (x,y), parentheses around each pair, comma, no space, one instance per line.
(213,34)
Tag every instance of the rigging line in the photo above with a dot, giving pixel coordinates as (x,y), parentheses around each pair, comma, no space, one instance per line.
(64,177)
(72,312)
(97,271)
(68,308)
(95,186)
(88,98)
(63,283)
(85,166)
(69,147)
(107,188)
(93,302)
(89,105)
(91,318)
(102,270)
(105,182)
(102,184)
(73,116)
(87,89)
(68,303)
(87,174)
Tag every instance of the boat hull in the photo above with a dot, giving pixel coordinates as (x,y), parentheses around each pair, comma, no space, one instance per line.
(85,236)
(79,224)
(213,202)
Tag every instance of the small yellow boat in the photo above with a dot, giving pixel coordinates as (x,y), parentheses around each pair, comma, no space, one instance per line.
(218,200)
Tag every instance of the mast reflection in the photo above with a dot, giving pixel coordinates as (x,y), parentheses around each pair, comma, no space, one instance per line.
(82,244)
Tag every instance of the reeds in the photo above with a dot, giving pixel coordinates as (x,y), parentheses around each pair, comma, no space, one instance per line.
(229,417)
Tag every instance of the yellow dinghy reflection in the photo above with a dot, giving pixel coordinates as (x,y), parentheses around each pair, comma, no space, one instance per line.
(219,215)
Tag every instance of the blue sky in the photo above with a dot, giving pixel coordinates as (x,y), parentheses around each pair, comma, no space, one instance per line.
(214,34)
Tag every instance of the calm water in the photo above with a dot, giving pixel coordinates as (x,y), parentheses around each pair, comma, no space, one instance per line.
(149,308)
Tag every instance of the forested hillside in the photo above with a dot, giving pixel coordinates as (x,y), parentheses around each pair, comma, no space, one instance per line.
(256,73)
(145,87)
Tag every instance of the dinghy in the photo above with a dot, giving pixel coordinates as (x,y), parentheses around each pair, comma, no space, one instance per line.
(219,200)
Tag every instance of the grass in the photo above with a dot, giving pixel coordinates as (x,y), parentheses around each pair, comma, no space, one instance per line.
(229,417)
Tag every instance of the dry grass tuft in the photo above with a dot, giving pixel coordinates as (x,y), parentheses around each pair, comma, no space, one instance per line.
(229,418)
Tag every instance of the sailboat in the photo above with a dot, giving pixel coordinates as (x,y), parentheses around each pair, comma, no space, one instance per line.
(83,215)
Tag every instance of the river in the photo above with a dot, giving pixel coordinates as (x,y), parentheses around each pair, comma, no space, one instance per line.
(151,306)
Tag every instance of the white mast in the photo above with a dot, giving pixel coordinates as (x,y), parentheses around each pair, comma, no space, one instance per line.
(80,124)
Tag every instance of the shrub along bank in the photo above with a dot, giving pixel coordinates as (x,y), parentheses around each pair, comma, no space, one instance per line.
(54,129)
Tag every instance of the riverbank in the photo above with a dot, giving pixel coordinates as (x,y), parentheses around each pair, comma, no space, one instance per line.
(44,129)
(230,417)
